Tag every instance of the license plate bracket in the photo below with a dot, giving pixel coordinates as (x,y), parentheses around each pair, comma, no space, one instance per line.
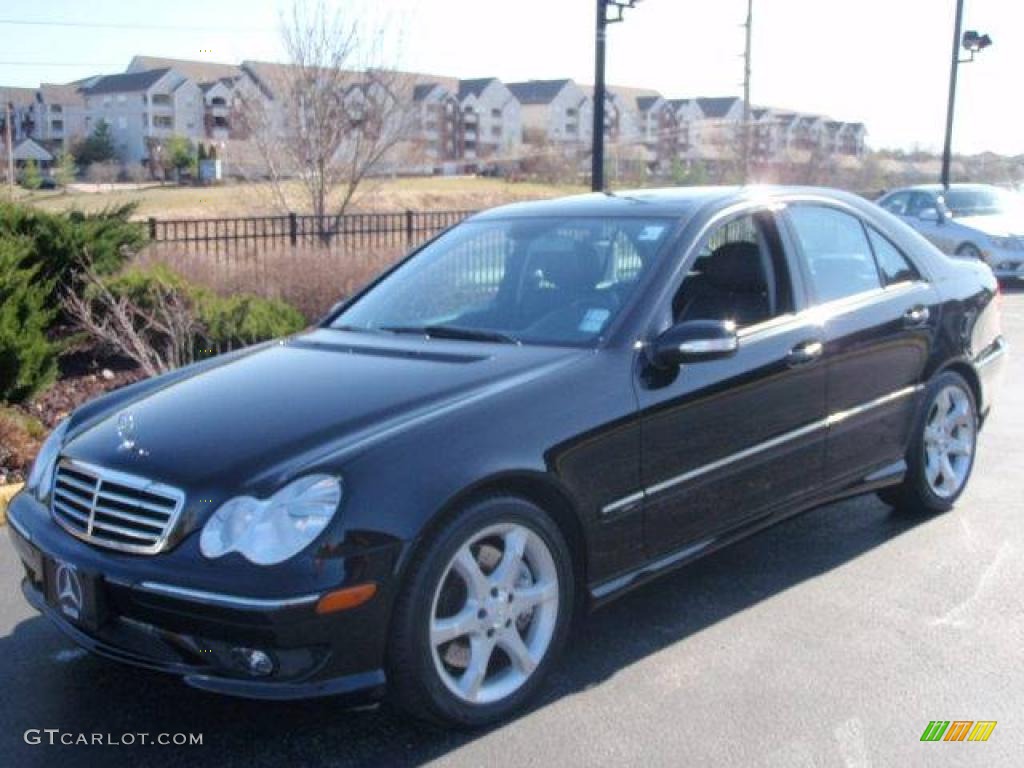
(76,594)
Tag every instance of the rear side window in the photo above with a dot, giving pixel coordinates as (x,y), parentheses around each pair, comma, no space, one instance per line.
(836,250)
(891,262)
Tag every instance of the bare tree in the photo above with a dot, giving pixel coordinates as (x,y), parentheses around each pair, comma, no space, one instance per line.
(158,334)
(331,115)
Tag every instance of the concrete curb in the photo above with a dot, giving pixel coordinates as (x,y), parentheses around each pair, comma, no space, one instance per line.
(6,494)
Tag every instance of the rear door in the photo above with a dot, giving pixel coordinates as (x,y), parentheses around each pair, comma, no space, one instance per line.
(878,317)
(724,441)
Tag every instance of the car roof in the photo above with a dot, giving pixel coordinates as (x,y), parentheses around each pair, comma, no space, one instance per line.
(672,202)
(937,188)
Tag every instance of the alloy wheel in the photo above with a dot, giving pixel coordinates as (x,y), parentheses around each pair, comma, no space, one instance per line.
(949,438)
(494,613)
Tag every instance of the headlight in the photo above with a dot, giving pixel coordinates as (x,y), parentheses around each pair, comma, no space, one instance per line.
(269,531)
(1006,243)
(40,478)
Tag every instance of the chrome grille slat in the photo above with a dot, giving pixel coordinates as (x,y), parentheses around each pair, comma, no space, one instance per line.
(114,509)
(131,534)
(147,521)
(71,512)
(137,503)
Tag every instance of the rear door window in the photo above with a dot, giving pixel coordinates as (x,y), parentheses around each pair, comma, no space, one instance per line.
(836,251)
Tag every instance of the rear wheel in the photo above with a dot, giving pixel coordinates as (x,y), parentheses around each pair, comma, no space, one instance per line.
(941,454)
(483,615)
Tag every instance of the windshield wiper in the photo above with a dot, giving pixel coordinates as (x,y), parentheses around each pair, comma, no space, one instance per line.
(453,332)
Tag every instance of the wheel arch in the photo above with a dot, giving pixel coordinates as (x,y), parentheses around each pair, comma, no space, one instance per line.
(970,375)
(538,488)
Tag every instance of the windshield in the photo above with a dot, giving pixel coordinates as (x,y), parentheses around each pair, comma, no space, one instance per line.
(530,280)
(982,201)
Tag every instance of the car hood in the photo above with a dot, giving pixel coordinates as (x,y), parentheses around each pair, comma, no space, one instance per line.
(998,225)
(323,394)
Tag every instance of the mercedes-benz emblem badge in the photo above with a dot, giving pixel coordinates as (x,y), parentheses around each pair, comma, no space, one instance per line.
(126,431)
(69,590)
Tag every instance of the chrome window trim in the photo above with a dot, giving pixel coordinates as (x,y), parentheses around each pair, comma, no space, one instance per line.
(808,429)
(223,600)
(137,482)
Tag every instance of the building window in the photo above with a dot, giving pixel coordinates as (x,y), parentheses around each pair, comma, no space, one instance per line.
(163,121)
(570,112)
(122,123)
(496,113)
(121,98)
(56,109)
(161,100)
(496,130)
(57,125)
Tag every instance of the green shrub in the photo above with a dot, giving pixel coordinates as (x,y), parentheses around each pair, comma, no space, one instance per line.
(204,322)
(59,243)
(238,321)
(28,361)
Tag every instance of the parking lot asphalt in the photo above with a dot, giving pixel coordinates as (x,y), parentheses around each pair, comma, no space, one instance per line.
(830,640)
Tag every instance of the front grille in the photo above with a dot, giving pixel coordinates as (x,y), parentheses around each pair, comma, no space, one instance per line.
(113,509)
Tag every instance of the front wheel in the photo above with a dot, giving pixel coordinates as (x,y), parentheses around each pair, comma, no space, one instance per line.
(941,453)
(969,251)
(483,614)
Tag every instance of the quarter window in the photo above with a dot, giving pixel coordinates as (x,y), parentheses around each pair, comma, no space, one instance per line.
(891,262)
(836,250)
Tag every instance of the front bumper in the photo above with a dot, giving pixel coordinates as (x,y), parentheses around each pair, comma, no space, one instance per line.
(199,635)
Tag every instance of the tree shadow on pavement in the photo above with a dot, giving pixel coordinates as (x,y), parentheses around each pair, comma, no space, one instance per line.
(49,684)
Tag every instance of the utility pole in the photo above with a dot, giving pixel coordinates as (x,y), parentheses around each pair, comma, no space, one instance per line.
(600,39)
(746,92)
(10,150)
(947,149)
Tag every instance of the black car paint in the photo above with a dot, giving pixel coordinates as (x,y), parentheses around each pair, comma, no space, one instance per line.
(415,427)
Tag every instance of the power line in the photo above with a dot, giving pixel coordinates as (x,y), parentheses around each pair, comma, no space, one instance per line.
(102,25)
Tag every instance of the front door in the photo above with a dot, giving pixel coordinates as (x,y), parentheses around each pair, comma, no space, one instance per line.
(725,441)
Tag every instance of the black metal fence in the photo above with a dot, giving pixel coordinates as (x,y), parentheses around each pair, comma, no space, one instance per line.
(400,228)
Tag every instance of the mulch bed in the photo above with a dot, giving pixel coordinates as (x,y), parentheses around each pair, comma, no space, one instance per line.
(83,376)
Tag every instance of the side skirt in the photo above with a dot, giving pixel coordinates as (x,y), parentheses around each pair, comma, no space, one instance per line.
(609,590)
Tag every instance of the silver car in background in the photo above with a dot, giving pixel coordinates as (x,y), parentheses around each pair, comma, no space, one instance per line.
(970,220)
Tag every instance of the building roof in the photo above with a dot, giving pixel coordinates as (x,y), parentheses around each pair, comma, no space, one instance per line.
(56,93)
(200,71)
(129,82)
(644,103)
(537,91)
(31,150)
(474,86)
(421,91)
(19,97)
(717,106)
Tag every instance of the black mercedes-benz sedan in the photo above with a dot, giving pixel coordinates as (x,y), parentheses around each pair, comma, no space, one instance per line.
(536,411)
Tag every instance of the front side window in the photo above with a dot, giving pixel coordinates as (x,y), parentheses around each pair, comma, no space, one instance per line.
(534,280)
(836,251)
(897,203)
(921,201)
(740,275)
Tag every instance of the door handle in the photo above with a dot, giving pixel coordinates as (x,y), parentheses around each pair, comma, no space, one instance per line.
(805,352)
(916,316)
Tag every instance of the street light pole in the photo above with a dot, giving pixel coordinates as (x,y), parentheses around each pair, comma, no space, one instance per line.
(947,150)
(600,39)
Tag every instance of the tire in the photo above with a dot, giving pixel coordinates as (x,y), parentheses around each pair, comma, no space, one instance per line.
(969,251)
(930,486)
(447,621)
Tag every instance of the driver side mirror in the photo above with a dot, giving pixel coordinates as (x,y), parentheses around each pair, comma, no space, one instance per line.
(695,340)
(933,215)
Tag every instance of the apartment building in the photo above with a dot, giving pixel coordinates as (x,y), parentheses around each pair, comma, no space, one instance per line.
(492,124)
(556,112)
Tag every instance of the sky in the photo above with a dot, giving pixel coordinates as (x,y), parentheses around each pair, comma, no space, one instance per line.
(881,62)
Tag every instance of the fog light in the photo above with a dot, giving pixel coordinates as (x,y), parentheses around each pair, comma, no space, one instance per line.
(254,661)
